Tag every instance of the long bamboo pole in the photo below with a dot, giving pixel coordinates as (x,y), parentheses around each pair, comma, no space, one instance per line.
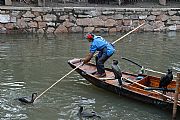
(146,69)
(128,33)
(57,82)
(176,97)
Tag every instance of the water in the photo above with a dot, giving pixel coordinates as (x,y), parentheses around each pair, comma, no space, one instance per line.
(32,63)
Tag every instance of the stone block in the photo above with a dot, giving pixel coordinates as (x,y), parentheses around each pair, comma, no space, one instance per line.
(127,22)
(162,17)
(175,18)
(88,29)
(49,17)
(151,17)
(61,29)
(63,17)
(40,31)
(118,16)
(3,30)
(101,29)
(172,12)
(76,29)
(112,30)
(68,24)
(38,19)
(21,23)
(156,12)
(178,27)
(110,23)
(84,22)
(172,28)
(50,30)
(148,27)
(142,17)
(32,24)
(134,17)
(28,14)
(5,18)
(9,26)
(97,22)
(41,25)
(1,25)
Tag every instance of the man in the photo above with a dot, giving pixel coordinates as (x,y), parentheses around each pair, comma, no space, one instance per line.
(105,49)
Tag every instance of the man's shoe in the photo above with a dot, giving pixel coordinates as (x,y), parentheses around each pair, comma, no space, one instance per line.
(95,73)
(100,75)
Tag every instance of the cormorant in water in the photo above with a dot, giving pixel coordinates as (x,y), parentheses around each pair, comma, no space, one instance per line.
(166,79)
(117,71)
(28,99)
(84,114)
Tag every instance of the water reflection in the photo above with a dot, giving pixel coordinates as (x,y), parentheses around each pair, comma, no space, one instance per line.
(33,62)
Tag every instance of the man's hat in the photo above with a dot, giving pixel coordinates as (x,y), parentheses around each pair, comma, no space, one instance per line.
(89,36)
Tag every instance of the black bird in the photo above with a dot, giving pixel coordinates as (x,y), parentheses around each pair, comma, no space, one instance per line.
(166,79)
(28,99)
(84,114)
(117,71)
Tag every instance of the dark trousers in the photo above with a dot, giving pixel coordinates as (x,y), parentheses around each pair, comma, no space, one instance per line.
(100,60)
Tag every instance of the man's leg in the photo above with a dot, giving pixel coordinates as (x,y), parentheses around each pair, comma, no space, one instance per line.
(100,63)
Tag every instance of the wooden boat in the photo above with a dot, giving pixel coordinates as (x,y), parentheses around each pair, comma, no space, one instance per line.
(131,87)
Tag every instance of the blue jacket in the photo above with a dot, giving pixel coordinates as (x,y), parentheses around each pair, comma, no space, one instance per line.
(99,43)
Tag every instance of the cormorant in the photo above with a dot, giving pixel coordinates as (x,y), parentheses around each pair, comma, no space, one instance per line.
(117,71)
(84,114)
(166,79)
(28,99)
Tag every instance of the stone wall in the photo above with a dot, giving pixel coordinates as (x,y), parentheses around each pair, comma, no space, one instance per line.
(87,19)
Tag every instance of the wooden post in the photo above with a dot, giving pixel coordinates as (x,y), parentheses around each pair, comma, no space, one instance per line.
(44,3)
(41,3)
(176,97)
(8,2)
(162,2)
(119,2)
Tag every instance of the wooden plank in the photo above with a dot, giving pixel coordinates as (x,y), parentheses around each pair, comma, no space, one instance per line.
(143,86)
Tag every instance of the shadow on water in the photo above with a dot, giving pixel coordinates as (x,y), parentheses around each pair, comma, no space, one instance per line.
(32,62)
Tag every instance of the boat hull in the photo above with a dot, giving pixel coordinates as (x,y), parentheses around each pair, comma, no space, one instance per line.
(126,90)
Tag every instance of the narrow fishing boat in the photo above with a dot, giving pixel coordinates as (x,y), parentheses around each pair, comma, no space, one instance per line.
(141,87)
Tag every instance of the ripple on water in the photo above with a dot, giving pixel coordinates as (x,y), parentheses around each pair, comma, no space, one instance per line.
(176,66)
(12,85)
(18,116)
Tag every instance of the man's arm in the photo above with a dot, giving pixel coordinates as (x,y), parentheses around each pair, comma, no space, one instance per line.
(87,58)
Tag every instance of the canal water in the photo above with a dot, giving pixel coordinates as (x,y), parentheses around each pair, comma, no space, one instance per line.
(33,62)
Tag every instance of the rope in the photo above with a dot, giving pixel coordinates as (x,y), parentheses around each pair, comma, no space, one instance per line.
(57,82)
